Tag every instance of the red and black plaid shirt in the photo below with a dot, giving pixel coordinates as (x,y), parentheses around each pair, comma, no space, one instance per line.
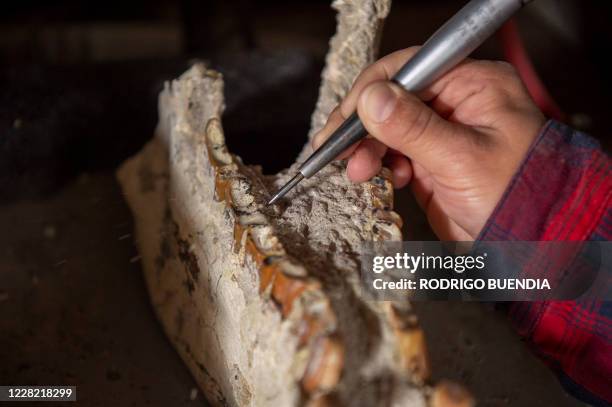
(562,192)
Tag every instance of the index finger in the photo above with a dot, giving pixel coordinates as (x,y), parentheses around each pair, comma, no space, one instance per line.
(385,68)
(381,70)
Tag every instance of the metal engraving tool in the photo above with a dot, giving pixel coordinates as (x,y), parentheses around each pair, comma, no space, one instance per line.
(450,45)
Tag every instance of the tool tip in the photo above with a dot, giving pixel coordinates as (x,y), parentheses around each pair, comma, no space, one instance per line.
(273,200)
(286,188)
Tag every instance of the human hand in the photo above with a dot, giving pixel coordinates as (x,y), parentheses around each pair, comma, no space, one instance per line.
(457,143)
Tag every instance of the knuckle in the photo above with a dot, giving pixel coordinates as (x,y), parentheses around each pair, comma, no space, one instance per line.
(490,82)
(481,67)
(506,68)
(495,71)
(364,74)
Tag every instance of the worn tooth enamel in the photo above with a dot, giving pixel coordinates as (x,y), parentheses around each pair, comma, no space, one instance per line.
(410,342)
(252,219)
(293,269)
(324,366)
(449,394)
(219,152)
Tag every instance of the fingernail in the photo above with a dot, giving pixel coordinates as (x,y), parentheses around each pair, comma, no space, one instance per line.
(379,102)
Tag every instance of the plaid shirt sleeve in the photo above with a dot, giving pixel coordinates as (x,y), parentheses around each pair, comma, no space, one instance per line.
(562,192)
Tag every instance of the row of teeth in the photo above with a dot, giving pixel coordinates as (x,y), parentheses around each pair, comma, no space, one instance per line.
(322,364)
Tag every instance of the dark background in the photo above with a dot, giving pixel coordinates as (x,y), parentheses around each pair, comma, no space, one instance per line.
(79,83)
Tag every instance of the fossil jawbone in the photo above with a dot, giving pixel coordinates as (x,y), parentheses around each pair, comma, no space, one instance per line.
(263,303)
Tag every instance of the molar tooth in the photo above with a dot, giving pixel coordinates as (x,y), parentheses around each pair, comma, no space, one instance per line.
(216,139)
(325,366)
(449,394)
(292,269)
(252,219)
(386,231)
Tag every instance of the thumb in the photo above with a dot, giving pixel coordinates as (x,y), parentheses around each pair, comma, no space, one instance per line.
(403,122)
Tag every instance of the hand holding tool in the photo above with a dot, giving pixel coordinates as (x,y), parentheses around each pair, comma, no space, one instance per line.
(450,45)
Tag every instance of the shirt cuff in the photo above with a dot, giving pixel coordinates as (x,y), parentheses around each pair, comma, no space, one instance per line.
(558,193)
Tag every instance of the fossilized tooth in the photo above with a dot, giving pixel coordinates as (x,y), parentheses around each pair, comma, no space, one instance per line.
(264,303)
(447,394)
